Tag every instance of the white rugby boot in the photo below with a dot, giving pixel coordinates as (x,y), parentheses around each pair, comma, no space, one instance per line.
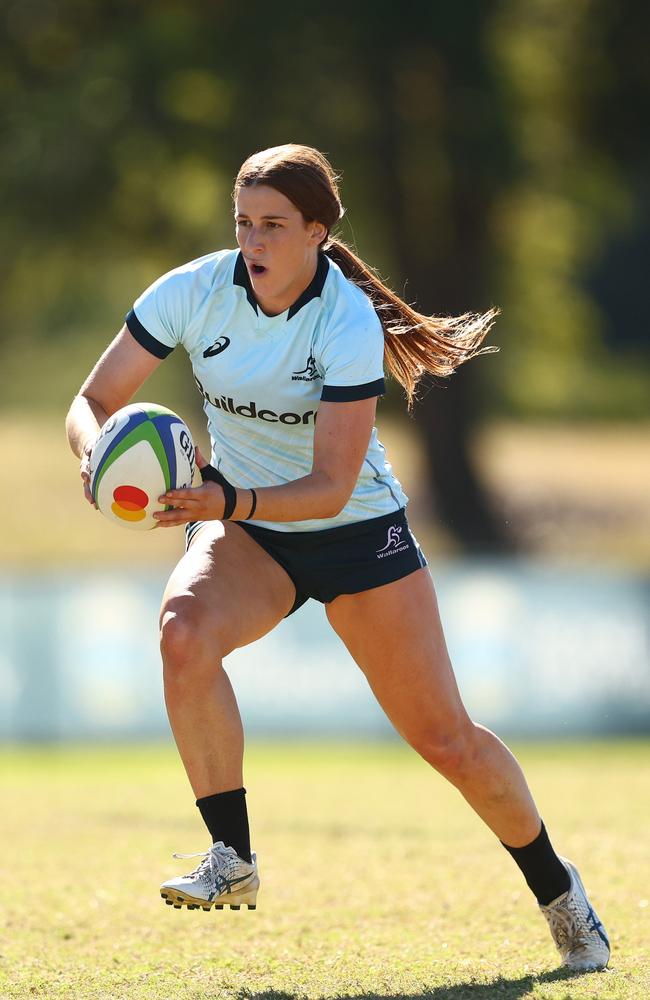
(579,935)
(221,879)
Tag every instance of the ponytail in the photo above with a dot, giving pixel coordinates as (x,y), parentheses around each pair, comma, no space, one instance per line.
(414,343)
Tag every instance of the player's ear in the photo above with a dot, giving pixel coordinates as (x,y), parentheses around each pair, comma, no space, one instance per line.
(318,233)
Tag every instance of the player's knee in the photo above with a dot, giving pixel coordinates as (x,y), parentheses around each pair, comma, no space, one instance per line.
(450,753)
(186,644)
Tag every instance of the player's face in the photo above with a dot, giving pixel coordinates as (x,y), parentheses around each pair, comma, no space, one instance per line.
(279,247)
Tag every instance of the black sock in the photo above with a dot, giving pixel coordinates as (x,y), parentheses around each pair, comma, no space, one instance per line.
(545,874)
(226,817)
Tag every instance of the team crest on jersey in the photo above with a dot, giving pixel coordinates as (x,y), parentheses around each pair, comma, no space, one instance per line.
(309,373)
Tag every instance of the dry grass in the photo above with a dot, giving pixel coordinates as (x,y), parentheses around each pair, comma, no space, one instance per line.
(377,880)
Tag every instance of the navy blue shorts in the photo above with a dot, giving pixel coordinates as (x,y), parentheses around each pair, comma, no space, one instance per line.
(344,560)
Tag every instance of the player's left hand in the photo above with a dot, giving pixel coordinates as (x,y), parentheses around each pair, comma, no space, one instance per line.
(198,503)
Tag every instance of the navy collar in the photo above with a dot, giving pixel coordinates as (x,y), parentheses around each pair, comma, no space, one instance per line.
(312,291)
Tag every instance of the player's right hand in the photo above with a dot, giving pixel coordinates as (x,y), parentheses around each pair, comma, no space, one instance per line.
(84,469)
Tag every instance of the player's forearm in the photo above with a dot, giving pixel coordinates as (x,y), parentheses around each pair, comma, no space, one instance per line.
(83,422)
(312,496)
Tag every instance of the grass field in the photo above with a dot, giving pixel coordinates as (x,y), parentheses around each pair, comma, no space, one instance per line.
(377,880)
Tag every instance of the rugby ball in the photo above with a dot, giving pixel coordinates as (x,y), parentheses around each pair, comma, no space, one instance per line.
(142,451)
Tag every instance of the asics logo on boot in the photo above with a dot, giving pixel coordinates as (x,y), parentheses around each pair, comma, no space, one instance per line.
(224,885)
(595,925)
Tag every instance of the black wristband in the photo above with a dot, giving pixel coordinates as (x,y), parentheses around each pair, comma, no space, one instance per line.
(253,505)
(212,475)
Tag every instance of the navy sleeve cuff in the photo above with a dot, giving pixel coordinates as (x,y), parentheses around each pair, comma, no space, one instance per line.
(348,393)
(145,339)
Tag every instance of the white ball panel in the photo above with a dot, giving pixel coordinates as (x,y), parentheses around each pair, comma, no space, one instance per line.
(136,474)
(139,468)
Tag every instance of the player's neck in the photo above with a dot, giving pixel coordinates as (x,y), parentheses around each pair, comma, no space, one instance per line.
(274,305)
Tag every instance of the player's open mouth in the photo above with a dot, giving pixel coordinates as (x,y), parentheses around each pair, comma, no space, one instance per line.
(257,268)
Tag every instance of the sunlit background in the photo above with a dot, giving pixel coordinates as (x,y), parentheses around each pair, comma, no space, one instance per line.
(491,153)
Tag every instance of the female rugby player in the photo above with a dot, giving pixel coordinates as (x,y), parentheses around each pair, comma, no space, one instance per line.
(289,328)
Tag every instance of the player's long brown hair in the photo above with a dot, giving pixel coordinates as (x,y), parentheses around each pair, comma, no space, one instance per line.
(414,343)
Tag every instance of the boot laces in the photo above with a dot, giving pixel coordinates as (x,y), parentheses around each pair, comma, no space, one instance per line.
(216,864)
(569,930)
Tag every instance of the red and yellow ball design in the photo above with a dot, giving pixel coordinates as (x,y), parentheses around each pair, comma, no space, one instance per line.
(130,503)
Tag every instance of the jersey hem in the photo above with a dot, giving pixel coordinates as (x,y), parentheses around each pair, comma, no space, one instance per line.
(348,530)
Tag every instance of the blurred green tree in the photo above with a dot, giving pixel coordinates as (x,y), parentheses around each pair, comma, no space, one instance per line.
(492,152)
(576,91)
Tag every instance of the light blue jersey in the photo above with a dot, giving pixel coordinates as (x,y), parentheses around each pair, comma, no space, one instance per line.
(262,377)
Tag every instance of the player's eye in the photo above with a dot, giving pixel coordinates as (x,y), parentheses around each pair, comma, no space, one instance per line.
(243,222)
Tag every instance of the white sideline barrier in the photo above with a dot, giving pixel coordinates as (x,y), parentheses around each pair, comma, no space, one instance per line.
(537,650)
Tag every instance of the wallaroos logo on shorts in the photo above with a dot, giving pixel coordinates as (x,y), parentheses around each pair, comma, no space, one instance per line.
(393,544)
(252,409)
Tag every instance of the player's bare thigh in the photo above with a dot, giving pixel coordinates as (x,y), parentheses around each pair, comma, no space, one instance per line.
(225,592)
(395,635)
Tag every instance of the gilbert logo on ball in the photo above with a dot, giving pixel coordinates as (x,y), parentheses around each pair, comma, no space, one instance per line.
(142,451)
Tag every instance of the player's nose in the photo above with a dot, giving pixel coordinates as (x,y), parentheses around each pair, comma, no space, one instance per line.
(254,240)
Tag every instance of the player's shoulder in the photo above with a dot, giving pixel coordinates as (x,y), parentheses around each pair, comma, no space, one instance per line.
(346,304)
(201,276)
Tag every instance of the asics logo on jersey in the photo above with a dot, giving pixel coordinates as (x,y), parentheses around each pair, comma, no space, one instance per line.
(219,345)
(393,544)
(309,373)
(253,411)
